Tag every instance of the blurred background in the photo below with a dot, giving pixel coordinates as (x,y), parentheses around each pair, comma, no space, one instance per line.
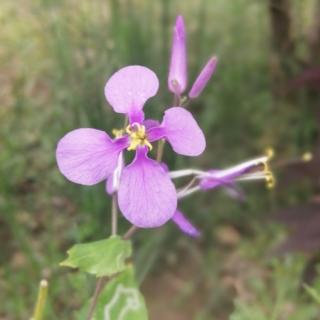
(254,257)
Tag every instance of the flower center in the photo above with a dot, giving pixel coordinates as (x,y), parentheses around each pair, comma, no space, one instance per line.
(138,137)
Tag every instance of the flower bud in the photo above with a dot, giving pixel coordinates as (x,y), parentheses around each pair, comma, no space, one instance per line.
(177,80)
(203,78)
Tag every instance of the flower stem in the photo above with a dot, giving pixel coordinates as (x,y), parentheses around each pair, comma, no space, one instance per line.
(160,150)
(101,282)
(114,215)
(41,300)
(99,286)
(131,231)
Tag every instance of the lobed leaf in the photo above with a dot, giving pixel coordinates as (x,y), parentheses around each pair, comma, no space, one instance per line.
(100,258)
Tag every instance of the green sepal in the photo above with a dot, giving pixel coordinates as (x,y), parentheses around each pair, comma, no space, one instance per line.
(101,258)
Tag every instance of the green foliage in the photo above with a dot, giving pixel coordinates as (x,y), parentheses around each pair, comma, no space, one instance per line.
(121,299)
(277,296)
(100,258)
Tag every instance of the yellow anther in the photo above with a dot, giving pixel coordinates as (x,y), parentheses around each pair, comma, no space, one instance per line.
(269,152)
(138,137)
(307,156)
(269,177)
(118,133)
(270,180)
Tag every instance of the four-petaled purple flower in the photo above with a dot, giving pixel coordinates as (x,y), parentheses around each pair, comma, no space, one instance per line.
(146,195)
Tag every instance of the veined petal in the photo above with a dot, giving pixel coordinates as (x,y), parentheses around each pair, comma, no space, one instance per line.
(129,88)
(185,225)
(203,78)
(181,130)
(146,195)
(177,80)
(88,156)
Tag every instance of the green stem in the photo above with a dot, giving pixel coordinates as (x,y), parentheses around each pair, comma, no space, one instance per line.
(114,215)
(160,150)
(99,286)
(101,282)
(41,300)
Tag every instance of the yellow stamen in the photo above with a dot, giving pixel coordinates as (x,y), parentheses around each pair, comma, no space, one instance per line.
(118,133)
(270,180)
(138,137)
(307,156)
(269,176)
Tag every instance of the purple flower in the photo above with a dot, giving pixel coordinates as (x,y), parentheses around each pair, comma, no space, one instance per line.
(203,78)
(256,169)
(177,80)
(146,195)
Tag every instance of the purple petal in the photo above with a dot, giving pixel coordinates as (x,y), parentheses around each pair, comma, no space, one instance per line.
(150,123)
(185,225)
(216,179)
(203,78)
(177,80)
(129,88)
(113,181)
(88,156)
(146,195)
(181,130)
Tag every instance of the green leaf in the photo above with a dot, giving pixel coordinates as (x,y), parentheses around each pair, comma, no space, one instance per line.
(121,299)
(101,258)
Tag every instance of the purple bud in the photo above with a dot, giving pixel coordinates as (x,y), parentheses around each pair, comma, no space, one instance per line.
(203,78)
(177,80)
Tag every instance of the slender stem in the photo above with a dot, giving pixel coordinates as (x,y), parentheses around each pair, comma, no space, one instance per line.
(41,300)
(132,230)
(160,150)
(188,192)
(188,185)
(114,215)
(99,286)
(176,100)
(101,282)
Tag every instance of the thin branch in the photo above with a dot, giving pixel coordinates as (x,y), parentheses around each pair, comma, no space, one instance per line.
(160,150)
(99,286)
(101,282)
(132,230)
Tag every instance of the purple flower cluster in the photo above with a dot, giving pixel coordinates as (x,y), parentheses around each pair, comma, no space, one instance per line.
(146,194)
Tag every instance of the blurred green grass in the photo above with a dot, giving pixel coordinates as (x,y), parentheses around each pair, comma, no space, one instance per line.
(55,58)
